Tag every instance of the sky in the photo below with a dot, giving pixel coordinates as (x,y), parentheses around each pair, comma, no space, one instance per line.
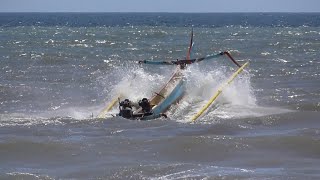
(159,5)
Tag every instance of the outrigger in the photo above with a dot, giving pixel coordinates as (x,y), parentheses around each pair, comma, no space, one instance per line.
(173,90)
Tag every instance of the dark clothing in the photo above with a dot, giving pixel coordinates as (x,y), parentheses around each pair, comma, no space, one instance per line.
(125,109)
(145,105)
(126,113)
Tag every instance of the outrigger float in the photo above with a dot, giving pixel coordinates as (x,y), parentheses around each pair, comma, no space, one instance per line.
(174,90)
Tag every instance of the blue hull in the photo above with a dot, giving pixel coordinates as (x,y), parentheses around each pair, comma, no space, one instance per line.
(173,97)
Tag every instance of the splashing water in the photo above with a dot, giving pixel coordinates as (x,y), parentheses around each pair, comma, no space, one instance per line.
(201,85)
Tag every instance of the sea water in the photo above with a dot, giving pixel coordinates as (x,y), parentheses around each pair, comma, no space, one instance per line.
(59,70)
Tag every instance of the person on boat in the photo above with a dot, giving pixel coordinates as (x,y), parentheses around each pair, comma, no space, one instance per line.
(125,107)
(145,105)
(147,108)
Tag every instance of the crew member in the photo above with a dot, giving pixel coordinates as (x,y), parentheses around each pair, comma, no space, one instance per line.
(125,109)
(145,105)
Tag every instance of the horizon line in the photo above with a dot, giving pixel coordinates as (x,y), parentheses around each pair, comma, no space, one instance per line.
(156,12)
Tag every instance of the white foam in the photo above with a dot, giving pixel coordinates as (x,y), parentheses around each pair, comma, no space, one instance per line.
(237,99)
(202,85)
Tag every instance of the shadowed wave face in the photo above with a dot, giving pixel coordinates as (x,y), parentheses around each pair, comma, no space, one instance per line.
(60,70)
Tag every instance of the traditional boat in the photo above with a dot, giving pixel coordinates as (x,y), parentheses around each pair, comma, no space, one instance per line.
(171,92)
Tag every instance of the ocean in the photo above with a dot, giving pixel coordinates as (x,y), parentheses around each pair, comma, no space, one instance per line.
(59,70)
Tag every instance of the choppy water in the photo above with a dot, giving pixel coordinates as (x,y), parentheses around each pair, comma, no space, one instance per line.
(54,76)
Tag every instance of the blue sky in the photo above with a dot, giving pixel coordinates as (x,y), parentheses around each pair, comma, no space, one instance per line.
(159,5)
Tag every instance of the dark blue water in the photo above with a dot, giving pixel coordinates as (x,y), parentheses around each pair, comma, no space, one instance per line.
(161,19)
(59,69)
